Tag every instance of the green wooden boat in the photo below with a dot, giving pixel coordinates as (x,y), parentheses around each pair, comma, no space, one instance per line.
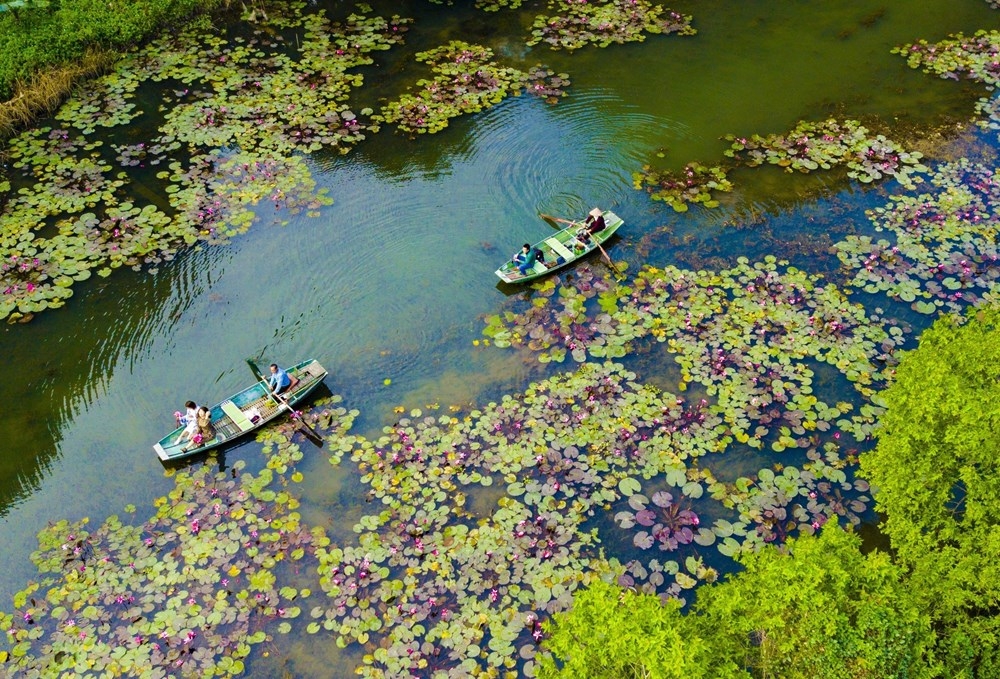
(244,412)
(561,249)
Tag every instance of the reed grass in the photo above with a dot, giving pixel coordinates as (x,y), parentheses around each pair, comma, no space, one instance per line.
(48,48)
(45,90)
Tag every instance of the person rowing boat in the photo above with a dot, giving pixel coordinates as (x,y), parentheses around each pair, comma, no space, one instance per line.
(280,381)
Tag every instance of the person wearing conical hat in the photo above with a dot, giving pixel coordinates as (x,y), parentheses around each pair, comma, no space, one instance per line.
(594,223)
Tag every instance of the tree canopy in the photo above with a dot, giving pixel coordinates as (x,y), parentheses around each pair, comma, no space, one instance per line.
(818,608)
(935,466)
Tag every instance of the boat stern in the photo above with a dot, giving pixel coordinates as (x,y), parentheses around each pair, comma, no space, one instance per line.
(160,452)
(502,275)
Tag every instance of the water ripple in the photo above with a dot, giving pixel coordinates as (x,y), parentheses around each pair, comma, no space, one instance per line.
(608,141)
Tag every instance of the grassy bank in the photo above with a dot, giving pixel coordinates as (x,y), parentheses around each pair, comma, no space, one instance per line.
(47,47)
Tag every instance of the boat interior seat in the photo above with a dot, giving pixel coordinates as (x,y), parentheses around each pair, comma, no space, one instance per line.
(237,416)
(559,248)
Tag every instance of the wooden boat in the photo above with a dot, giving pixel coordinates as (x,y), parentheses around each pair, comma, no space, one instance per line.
(561,249)
(244,412)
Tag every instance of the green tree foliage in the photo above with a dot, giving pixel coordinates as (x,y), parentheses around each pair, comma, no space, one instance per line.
(822,610)
(612,632)
(935,466)
(819,610)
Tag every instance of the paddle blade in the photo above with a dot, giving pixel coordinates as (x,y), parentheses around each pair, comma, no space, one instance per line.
(255,370)
(551,221)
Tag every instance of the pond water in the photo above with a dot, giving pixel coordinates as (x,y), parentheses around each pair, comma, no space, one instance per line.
(388,286)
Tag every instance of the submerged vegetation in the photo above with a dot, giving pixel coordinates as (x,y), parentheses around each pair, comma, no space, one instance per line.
(481,526)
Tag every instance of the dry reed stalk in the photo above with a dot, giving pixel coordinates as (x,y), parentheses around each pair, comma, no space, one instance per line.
(45,90)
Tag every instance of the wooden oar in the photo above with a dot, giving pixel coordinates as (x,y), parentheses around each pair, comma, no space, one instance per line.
(283,403)
(552,222)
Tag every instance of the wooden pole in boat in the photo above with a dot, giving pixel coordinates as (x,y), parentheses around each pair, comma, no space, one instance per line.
(551,220)
(283,403)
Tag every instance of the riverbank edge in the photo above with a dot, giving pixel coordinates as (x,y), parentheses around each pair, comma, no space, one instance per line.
(40,93)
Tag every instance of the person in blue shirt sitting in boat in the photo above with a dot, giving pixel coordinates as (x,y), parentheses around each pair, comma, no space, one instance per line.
(527,257)
(280,381)
(522,256)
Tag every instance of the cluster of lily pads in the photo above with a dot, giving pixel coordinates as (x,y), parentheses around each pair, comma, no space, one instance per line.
(489,5)
(976,57)
(744,334)
(809,146)
(17,271)
(670,523)
(826,144)
(238,116)
(467,80)
(234,126)
(694,184)
(442,573)
(185,592)
(582,22)
(557,324)
(779,502)
(942,253)
(476,527)
(831,143)
(446,575)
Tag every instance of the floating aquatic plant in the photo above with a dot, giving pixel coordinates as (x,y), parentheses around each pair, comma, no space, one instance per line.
(976,57)
(184,592)
(187,591)
(581,23)
(942,254)
(810,146)
(694,184)
(142,154)
(744,333)
(670,524)
(557,323)
(428,559)
(435,579)
(779,502)
(24,285)
(467,80)
(497,5)
(273,101)
(107,105)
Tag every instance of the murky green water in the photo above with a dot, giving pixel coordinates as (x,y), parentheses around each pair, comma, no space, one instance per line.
(391,281)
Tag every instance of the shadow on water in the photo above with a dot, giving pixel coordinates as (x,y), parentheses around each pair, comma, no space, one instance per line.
(67,359)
